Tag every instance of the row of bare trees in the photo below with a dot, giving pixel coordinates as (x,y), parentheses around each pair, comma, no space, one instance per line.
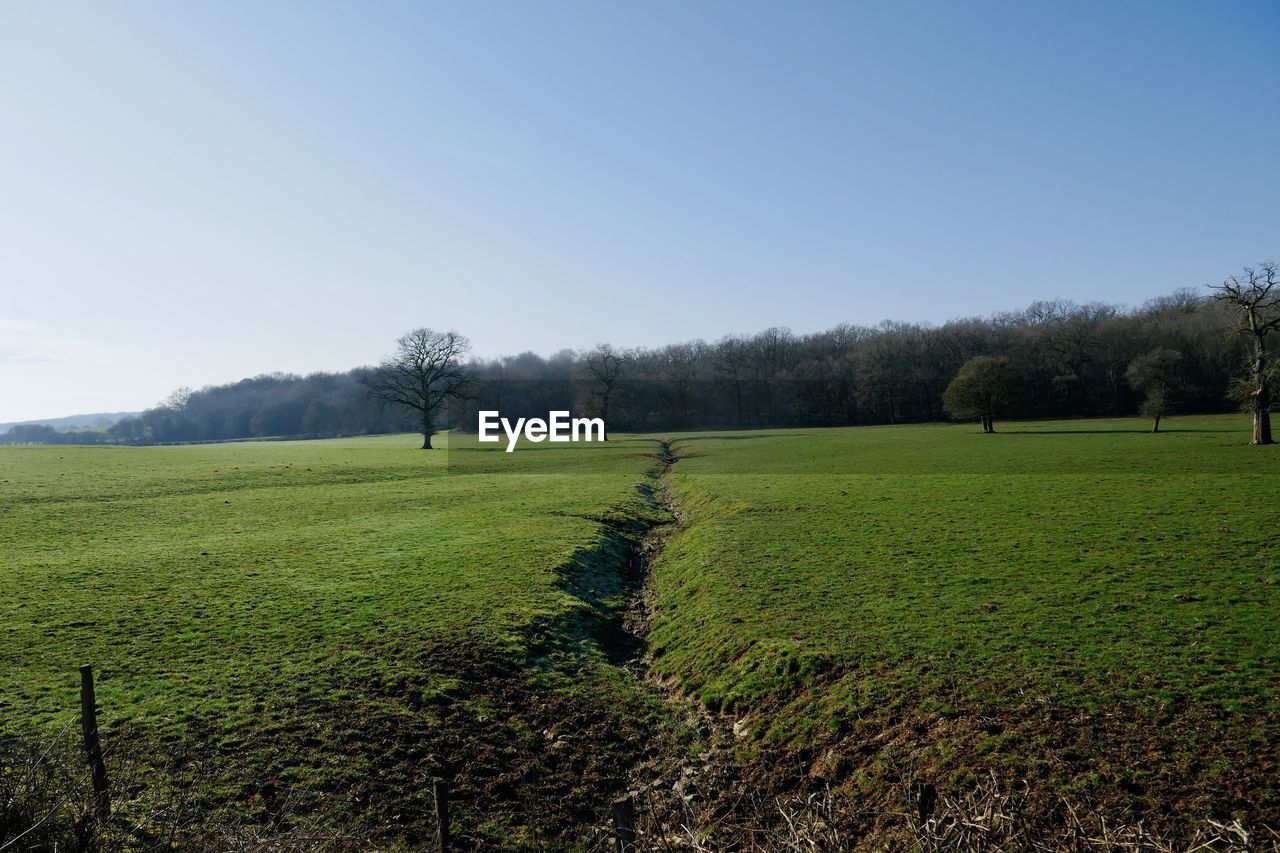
(319,405)
(1194,350)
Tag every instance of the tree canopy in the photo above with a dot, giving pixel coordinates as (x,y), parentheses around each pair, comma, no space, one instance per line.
(1154,374)
(984,387)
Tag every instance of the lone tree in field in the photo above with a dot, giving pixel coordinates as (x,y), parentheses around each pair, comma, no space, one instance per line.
(605,366)
(1256,293)
(426,370)
(1154,375)
(984,387)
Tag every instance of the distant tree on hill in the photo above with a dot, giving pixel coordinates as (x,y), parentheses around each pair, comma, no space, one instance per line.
(178,399)
(1154,375)
(425,371)
(605,364)
(1255,293)
(985,387)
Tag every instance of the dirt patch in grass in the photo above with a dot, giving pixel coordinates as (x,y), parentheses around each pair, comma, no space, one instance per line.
(1172,772)
(532,756)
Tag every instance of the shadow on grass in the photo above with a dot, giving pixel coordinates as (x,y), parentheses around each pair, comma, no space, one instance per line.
(601,577)
(1106,431)
(742,437)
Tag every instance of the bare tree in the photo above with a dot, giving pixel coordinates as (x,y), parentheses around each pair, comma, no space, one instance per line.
(605,364)
(1154,374)
(178,399)
(1256,293)
(426,370)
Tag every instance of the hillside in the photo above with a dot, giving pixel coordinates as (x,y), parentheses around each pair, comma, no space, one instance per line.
(94,419)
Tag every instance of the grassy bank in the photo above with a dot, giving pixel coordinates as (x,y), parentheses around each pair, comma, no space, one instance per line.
(1082,604)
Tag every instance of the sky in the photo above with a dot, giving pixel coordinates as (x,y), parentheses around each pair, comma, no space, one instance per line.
(194,193)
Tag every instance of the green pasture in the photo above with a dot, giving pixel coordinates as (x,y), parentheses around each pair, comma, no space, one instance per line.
(899,584)
(308,613)
(1083,600)
(196,578)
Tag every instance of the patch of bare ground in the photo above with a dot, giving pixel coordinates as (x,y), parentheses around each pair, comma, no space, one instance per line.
(1068,787)
(530,766)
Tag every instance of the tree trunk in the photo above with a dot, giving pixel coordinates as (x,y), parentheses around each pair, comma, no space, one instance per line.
(1262,427)
(1261,395)
(604,411)
(427,430)
(1155,426)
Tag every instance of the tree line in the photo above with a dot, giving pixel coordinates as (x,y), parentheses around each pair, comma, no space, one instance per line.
(276,405)
(1180,352)
(1053,359)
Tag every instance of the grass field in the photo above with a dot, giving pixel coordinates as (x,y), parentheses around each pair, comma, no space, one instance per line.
(331,615)
(1083,602)
(1080,604)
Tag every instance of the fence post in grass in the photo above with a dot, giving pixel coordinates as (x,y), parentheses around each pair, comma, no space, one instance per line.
(624,824)
(440,789)
(926,798)
(92,746)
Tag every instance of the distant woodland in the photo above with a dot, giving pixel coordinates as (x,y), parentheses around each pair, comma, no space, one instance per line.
(1070,360)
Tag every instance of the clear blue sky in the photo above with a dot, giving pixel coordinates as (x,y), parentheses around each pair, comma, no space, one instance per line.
(192,193)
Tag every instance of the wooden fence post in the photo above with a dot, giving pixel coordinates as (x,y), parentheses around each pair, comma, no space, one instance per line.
(92,746)
(624,824)
(440,789)
(926,798)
